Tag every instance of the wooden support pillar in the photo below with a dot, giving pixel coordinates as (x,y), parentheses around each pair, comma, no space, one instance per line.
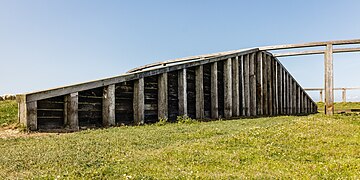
(227,89)
(182,95)
(274,86)
(259,84)
(163,96)
(321,96)
(290,95)
(279,87)
(241,86)
(270,85)
(214,91)
(246,68)
(27,112)
(298,99)
(71,106)
(294,89)
(235,86)
(329,80)
(139,102)
(252,84)
(284,86)
(344,95)
(199,91)
(108,108)
(265,85)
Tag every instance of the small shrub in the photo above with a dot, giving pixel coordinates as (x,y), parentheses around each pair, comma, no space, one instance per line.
(185,120)
(162,122)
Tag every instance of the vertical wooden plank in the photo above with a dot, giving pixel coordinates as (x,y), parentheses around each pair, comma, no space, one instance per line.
(71,106)
(302,103)
(214,91)
(241,86)
(21,101)
(265,85)
(139,101)
(294,96)
(199,91)
(298,99)
(274,85)
(279,87)
(227,89)
(235,86)
(252,84)
(259,84)
(291,95)
(246,68)
(109,105)
(344,95)
(31,110)
(329,80)
(270,87)
(306,105)
(182,92)
(163,96)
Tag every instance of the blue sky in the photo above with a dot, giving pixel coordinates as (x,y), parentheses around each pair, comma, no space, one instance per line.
(45,44)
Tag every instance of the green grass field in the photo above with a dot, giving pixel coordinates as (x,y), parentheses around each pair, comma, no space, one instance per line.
(300,147)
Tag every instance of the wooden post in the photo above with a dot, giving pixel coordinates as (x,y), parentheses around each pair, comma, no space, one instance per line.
(279,87)
(321,96)
(270,85)
(294,88)
(163,96)
(259,84)
(246,69)
(71,106)
(199,91)
(227,89)
(285,92)
(109,105)
(252,84)
(274,86)
(235,86)
(182,95)
(214,92)
(344,95)
(329,80)
(265,85)
(290,95)
(31,109)
(139,102)
(298,99)
(241,86)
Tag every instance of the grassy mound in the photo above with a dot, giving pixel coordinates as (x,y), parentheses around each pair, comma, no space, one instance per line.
(8,113)
(300,147)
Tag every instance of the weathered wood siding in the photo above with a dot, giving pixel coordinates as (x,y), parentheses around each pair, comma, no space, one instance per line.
(240,85)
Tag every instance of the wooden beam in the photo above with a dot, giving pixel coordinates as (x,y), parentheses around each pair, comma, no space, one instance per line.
(163,96)
(109,105)
(214,91)
(71,106)
(227,88)
(279,87)
(313,52)
(259,84)
(270,87)
(199,91)
(31,109)
(265,85)
(246,68)
(344,96)
(311,44)
(182,92)
(252,84)
(235,86)
(329,80)
(139,102)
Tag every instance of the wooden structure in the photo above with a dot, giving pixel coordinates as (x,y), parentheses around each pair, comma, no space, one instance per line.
(246,83)
(328,61)
(335,89)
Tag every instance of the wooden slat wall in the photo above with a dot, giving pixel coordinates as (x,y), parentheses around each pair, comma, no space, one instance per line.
(191,96)
(151,99)
(90,107)
(257,84)
(173,95)
(124,96)
(50,113)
